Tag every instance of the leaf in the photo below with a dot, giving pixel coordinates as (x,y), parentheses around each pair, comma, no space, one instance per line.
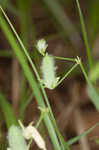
(94,73)
(7,110)
(94,96)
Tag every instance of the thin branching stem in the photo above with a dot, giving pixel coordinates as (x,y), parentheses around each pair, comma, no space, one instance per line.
(67,73)
(63,58)
(84,73)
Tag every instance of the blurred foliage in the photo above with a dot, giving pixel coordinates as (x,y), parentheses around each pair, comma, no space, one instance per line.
(7,110)
(93,18)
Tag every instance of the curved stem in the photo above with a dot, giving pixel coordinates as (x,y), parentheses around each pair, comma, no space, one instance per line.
(85,35)
(74,66)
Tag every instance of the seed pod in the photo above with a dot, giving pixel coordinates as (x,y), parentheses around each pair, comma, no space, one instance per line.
(16,139)
(41,46)
(31,132)
(49,72)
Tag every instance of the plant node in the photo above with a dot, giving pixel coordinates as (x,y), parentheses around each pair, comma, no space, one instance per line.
(78,60)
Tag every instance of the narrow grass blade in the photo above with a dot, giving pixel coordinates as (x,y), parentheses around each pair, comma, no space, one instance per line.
(23,99)
(7,110)
(67,73)
(24,18)
(75,139)
(94,72)
(93,19)
(63,58)
(85,35)
(94,96)
(91,90)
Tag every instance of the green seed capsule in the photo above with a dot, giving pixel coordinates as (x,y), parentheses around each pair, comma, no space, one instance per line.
(16,139)
(48,71)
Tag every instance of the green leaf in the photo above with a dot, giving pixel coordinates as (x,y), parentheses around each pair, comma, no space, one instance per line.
(93,18)
(7,110)
(94,96)
(94,73)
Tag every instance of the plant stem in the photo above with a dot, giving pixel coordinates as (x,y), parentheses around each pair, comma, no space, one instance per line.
(40,119)
(74,66)
(85,74)
(85,35)
(63,58)
(29,144)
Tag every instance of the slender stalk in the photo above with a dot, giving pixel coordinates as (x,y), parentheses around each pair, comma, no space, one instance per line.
(84,73)
(85,35)
(40,119)
(79,62)
(74,66)
(29,144)
(21,125)
(63,58)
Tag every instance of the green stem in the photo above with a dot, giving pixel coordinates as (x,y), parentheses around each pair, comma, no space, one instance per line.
(85,74)
(40,119)
(63,58)
(74,66)
(29,144)
(85,35)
